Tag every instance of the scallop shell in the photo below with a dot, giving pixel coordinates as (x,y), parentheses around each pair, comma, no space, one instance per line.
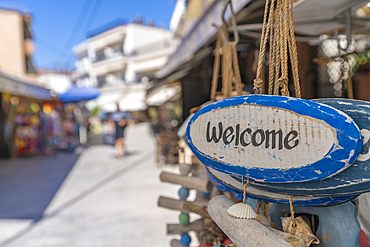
(242,211)
(301,230)
(263,220)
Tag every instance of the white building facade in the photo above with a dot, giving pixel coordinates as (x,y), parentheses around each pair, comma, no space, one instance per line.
(124,55)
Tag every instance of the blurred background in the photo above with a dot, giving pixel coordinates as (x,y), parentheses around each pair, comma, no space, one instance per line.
(71,70)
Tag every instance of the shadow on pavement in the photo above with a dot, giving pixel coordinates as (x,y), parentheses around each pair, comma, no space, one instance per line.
(27,185)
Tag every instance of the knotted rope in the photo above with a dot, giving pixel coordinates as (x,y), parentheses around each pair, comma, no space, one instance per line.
(280,26)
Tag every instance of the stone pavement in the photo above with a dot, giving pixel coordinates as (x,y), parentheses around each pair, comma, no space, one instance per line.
(97,201)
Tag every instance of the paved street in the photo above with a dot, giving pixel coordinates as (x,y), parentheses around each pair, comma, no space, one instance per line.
(92,199)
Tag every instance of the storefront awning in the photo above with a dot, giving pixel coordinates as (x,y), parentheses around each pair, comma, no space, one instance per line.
(198,36)
(15,86)
(314,16)
(163,94)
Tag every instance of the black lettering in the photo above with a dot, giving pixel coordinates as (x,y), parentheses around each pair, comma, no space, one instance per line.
(242,138)
(287,139)
(214,138)
(237,129)
(273,139)
(254,141)
(226,135)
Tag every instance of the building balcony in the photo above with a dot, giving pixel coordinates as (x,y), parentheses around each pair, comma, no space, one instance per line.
(111,65)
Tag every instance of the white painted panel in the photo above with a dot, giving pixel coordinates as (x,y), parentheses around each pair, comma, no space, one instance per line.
(314,138)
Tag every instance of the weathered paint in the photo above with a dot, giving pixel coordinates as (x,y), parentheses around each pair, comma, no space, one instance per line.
(337,225)
(355,179)
(225,182)
(274,138)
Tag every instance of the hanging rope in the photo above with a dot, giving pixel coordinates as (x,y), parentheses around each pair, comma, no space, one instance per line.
(245,191)
(264,208)
(229,66)
(216,66)
(280,26)
(313,224)
(292,211)
(258,81)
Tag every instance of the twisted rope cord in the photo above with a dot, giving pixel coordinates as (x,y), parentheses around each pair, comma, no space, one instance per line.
(272,48)
(216,66)
(245,191)
(277,46)
(264,208)
(283,80)
(292,211)
(258,81)
(238,80)
(293,51)
(313,223)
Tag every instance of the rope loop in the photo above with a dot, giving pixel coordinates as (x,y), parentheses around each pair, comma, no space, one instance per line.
(257,85)
(283,83)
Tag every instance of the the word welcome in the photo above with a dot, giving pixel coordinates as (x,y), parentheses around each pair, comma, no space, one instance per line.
(257,138)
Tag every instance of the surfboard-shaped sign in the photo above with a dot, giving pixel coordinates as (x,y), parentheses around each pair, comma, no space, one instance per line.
(274,138)
(355,179)
(226,182)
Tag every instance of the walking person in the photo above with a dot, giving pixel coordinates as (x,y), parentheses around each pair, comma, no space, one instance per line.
(120,119)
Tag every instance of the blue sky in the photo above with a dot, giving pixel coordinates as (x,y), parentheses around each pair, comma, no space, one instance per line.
(58,25)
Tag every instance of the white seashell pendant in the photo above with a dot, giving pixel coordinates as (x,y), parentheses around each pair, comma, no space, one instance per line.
(242,211)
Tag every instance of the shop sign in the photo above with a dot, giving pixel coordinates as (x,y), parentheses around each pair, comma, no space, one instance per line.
(274,138)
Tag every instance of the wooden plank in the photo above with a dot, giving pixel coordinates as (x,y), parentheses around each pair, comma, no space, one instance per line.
(170,203)
(188,182)
(273,138)
(180,229)
(242,232)
(352,181)
(235,185)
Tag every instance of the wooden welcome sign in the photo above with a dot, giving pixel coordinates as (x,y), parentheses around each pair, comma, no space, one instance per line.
(274,138)
(355,179)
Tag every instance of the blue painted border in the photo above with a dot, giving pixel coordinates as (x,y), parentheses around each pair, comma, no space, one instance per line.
(346,129)
(310,202)
(355,179)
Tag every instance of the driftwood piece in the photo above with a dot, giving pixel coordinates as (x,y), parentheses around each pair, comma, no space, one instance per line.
(242,232)
(188,182)
(171,203)
(176,243)
(175,204)
(180,229)
(192,207)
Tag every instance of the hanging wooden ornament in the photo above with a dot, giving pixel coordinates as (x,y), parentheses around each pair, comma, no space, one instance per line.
(242,210)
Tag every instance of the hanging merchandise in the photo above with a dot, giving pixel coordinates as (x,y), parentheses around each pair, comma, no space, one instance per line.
(242,210)
(292,150)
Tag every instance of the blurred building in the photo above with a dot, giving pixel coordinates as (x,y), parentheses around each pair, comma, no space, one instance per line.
(57,81)
(121,58)
(21,100)
(122,55)
(16,46)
